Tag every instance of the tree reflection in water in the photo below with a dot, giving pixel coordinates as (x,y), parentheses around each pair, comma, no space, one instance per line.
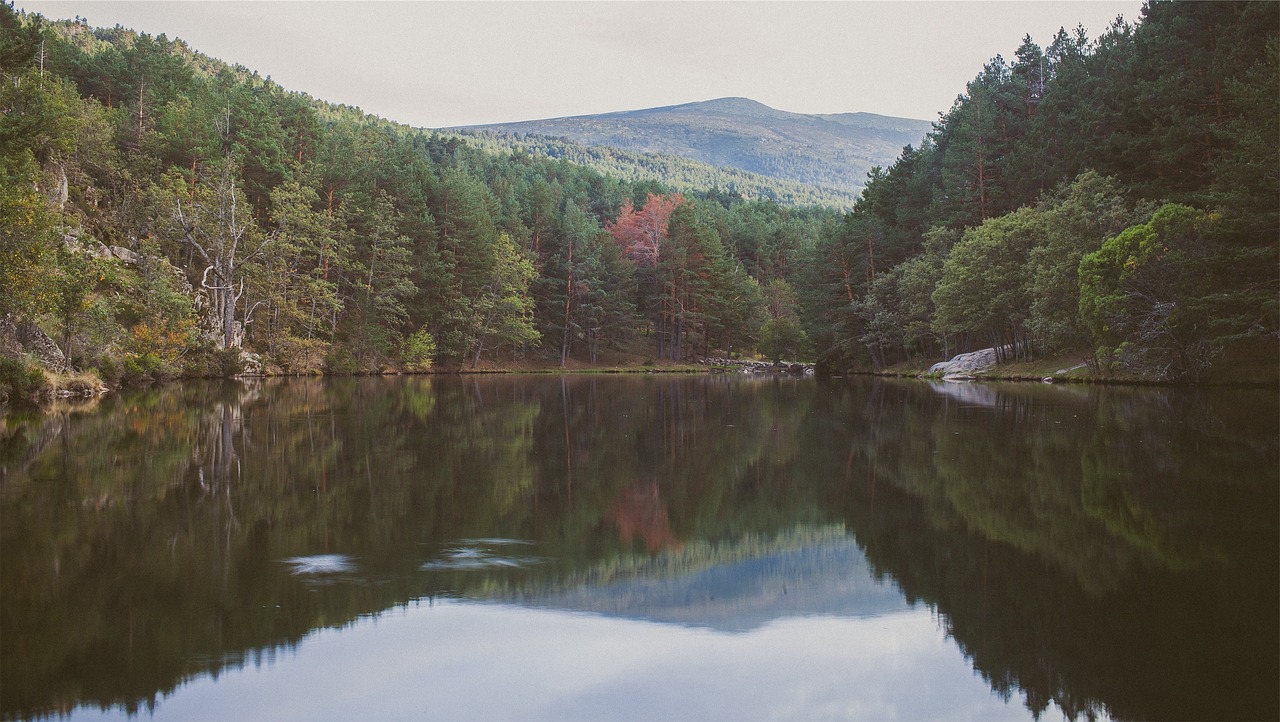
(1107,550)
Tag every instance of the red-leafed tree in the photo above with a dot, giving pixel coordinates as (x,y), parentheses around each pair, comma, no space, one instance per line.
(641,236)
(640,232)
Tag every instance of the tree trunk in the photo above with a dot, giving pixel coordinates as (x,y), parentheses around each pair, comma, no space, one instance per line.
(568,300)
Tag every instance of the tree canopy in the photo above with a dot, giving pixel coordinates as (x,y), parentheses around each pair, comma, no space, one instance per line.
(230,214)
(1040,166)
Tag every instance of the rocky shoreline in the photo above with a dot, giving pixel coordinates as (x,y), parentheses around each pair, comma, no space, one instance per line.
(746,366)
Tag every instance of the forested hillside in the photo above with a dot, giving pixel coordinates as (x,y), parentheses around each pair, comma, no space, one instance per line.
(830,151)
(677,172)
(1115,197)
(165,213)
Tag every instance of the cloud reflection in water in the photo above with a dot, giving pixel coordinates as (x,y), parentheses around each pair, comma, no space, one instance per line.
(467,660)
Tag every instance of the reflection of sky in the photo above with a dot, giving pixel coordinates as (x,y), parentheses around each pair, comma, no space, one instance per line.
(483,661)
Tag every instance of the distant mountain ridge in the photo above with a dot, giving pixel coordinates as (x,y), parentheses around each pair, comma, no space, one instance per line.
(832,150)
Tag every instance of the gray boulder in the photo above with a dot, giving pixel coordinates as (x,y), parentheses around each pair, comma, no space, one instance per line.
(126,255)
(965,363)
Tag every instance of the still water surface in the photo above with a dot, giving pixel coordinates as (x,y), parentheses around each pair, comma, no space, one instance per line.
(657,547)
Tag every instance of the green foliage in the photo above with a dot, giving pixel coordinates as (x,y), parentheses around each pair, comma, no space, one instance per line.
(1078,218)
(318,235)
(983,289)
(27,239)
(76,274)
(916,279)
(384,285)
(1072,144)
(19,38)
(1149,297)
(21,380)
(418,351)
(298,295)
(782,333)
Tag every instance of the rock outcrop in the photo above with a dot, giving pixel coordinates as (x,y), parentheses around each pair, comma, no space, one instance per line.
(19,337)
(758,367)
(965,364)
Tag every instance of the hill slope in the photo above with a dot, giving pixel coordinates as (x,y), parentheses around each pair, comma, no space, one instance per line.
(825,150)
(675,172)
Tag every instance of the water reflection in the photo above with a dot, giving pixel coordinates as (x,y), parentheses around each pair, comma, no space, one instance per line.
(320,564)
(1102,551)
(736,587)
(482,554)
(472,661)
(1106,550)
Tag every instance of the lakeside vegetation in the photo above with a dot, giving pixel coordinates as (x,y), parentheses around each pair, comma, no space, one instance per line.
(1115,198)
(164,213)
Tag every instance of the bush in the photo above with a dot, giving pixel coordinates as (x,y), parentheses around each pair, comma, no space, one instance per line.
(418,351)
(340,361)
(108,368)
(1149,298)
(141,368)
(228,361)
(21,379)
(209,361)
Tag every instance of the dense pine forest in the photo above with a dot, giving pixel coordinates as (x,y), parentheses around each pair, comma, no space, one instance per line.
(164,213)
(1115,197)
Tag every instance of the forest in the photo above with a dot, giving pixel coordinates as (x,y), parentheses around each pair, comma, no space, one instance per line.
(1115,198)
(163,214)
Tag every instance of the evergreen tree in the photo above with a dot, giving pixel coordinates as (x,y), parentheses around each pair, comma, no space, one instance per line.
(384,286)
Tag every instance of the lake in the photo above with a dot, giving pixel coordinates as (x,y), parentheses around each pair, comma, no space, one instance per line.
(642,547)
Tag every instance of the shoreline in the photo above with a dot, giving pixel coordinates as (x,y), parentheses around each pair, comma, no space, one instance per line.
(85,385)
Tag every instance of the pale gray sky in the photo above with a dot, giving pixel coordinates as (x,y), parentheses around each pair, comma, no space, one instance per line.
(436,64)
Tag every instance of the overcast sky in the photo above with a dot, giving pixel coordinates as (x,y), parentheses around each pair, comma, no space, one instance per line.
(436,64)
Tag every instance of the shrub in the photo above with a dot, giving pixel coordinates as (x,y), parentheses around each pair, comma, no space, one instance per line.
(340,361)
(418,351)
(21,379)
(108,368)
(141,368)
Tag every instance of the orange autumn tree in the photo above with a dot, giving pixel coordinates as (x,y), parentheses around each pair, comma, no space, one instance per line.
(640,233)
(640,236)
(695,293)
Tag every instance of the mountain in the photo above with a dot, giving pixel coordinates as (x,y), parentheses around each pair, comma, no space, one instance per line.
(823,150)
(675,172)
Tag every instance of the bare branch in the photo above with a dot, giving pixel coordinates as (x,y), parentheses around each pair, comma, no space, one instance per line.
(248,316)
(204,281)
(189,233)
(265,242)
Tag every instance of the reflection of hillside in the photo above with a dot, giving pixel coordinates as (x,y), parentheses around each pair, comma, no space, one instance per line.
(162,526)
(25,435)
(1104,549)
(1109,552)
(1079,478)
(734,587)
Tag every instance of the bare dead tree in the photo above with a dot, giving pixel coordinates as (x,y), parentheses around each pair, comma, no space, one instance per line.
(215,223)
